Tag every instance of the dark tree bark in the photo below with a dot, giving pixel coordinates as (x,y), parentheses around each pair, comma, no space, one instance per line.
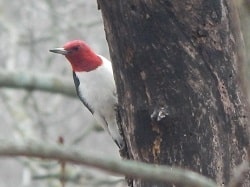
(178,68)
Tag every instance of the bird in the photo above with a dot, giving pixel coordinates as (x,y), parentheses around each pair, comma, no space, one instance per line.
(95,85)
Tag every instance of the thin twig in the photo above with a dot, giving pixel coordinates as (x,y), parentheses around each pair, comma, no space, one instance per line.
(92,128)
(62,163)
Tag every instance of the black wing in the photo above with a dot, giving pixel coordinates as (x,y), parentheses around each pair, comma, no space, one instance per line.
(77,83)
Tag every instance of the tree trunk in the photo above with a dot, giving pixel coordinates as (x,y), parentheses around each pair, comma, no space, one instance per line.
(178,68)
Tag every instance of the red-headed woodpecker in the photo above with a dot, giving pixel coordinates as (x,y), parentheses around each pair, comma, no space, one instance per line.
(95,85)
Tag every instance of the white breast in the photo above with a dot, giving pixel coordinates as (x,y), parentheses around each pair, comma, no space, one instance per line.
(98,87)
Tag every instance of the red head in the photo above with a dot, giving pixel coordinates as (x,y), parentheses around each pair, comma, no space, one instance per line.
(80,56)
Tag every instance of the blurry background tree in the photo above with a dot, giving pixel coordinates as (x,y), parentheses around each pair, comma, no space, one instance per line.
(29,29)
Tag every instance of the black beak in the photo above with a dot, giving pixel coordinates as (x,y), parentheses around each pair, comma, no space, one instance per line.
(61,51)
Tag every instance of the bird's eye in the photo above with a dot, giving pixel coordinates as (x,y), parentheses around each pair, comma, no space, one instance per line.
(76,48)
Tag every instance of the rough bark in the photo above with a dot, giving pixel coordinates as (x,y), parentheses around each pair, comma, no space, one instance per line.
(178,68)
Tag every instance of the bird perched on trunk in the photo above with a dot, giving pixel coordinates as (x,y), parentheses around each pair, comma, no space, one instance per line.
(95,85)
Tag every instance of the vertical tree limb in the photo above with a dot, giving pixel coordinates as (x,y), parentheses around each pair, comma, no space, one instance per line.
(178,72)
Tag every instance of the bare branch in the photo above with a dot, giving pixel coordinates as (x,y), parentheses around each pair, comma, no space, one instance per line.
(124,167)
(36,81)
